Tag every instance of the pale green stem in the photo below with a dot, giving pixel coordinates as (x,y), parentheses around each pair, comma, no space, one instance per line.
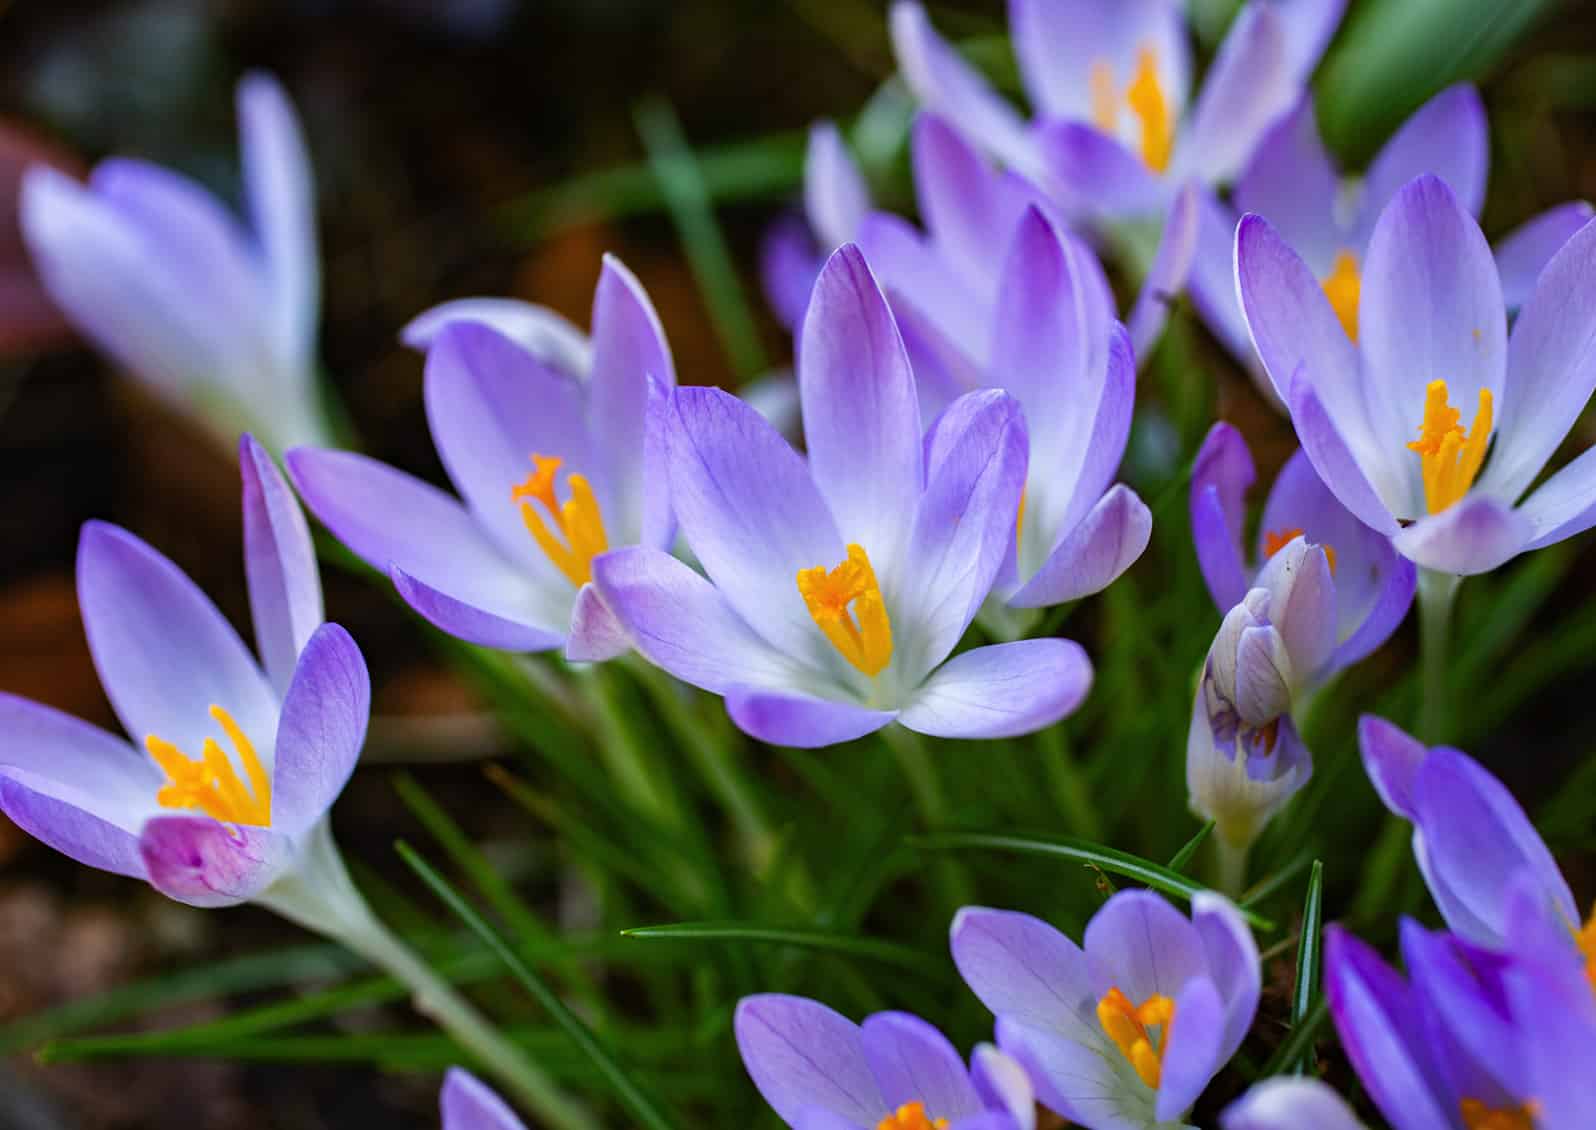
(925,788)
(1437,594)
(1230,861)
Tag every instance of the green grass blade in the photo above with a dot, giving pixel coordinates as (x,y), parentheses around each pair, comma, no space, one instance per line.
(1306,987)
(1299,1044)
(1145,871)
(873,949)
(1183,856)
(1265,888)
(641,1105)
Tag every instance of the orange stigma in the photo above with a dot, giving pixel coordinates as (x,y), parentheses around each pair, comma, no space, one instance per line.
(210,783)
(1276,540)
(1451,456)
(911,1116)
(1478,1116)
(1343,287)
(1146,100)
(1127,1025)
(578,519)
(863,636)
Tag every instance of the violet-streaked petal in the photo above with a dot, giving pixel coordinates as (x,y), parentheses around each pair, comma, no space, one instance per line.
(1233,965)
(547,335)
(1447,137)
(1263,675)
(1002,690)
(467,1103)
(1303,605)
(836,197)
(1142,945)
(817,1118)
(205,863)
(1092,556)
(164,653)
(466,620)
(1192,1046)
(1022,968)
(1307,27)
(1291,182)
(1391,757)
(1166,277)
(1290,1103)
(279,565)
(322,730)
(969,208)
(917,281)
(799,719)
(802,1055)
(1096,172)
(1057,43)
(788,265)
(596,635)
(1557,1028)
(1212,286)
(1247,87)
(75,832)
(1220,477)
(1101,447)
(913,1062)
(1564,505)
(1523,253)
(1472,536)
(1086,1080)
(1400,579)
(1329,452)
(984,1120)
(1003,1085)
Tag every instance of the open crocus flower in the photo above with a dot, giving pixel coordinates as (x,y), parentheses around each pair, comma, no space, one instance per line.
(1290,1103)
(238,760)
(218,319)
(1374,584)
(1292,182)
(1125,1033)
(820,1071)
(837,588)
(467,1103)
(1399,423)
(553,471)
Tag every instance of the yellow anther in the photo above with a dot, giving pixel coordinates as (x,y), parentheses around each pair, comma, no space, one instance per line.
(1105,99)
(578,520)
(210,783)
(1585,939)
(1451,455)
(911,1116)
(1276,540)
(1147,101)
(1343,287)
(1127,1025)
(1019,523)
(1478,1116)
(864,635)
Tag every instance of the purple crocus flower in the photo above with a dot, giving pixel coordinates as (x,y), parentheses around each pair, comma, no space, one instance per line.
(554,470)
(1382,419)
(1125,1033)
(241,759)
(1292,182)
(218,319)
(1374,584)
(838,587)
(820,1071)
(1287,1102)
(467,1103)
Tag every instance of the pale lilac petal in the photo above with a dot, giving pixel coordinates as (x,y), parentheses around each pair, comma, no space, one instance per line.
(1143,946)
(1286,1102)
(1473,536)
(1551,368)
(1233,965)
(1002,690)
(1558,1026)
(1085,1080)
(816,1118)
(282,205)
(1523,253)
(164,653)
(775,397)
(468,621)
(75,832)
(801,720)
(279,564)
(913,1062)
(1212,286)
(681,623)
(595,635)
(860,408)
(969,208)
(1564,505)
(984,1120)
(1291,182)
(1383,617)
(836,197)
(1092,556)
(918,282)
(1446,137)
(1090,472)
(788,264)
(752,516)
(1303,605)
(1247,87)
(1332,459)
(803,1055)
(1220,477)
(1307,26)
(1392,758)
(322,730)
(1096,172)
(1193,1047)
(204,863)
(1022,968)
(1003,1085)
(1058,41)
(467,1103)
(547,335)
(1166,278)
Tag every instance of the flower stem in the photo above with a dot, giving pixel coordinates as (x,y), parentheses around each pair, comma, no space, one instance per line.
(1437,593)
(320,896)
(1230,861)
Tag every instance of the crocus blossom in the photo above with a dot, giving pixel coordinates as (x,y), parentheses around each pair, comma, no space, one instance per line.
(1126,1032)
(218,319)
(820,1071)
(239,759)
(1374,584)
(553,471)
(1294,184)
(1383,419)
(28,319)
(467,1103)
(838,587)
(1290,1102)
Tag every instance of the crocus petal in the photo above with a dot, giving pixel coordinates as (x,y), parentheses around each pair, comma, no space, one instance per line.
(322,729)
(547,335)
(913,1062)
(801,1054)
(1192,1047)
(836,197)
(1564,505)
(945,83)
(861,411)
(817,1118)
(1024,969)
(1141,945)
(467,1103)
(1291,182)
(282,204)
(787,267)
(918,283)
(74,786)
(1473,536)
(1095,171)
(1220,476)
(205,863)
(1303,605)
(800,720)
(1166,278)
(1212,286)
(1447,137)
(1551,367)
(1085,1080)
(279,564)
(968,206)
(596,635)
(1002,690)
(1558,1026)
(1307,27)
(1003,1085)
(680,622)
(1392,758)
(1290,1103)
(1248,86)
(1101,447)
(1328,449)
(985,1120)
(1233,965)
(164,653)
(1092,556)
(752,516)
(1523,253)
(1057,43)
(1400,580)
(468,621)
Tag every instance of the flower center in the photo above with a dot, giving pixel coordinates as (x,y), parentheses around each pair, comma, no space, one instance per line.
(1451,455)
(1478,1116)
(210,783)
(1146,100)
(1127,1025)
(1342,287)
(1276,540)
(911,1116)
(577,520)
(864,635)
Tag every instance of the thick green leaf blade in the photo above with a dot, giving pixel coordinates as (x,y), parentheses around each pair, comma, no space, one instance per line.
(873,949)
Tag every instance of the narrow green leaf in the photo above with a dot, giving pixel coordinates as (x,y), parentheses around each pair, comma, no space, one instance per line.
(1183,856)
(874,949)
(641,1105)
(1300,1042)
(1306,987)
(1269,885)
(1144,871)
